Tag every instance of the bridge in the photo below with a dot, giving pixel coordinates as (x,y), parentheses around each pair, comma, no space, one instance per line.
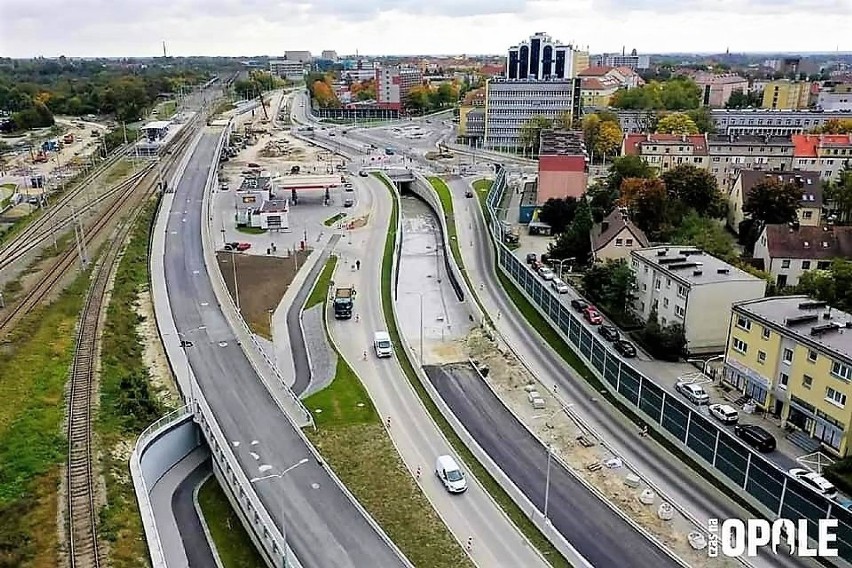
(400,175)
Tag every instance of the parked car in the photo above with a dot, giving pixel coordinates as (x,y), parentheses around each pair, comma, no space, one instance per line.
(232,245)
(579,305)
(348,187)
(348,202)
(815,481)
(627,349)
(693,392)
(253,165)
(332,134)
(531,257)
(756,437)
(560,286)
(607,331)
(546,273)
(592,315)
(243,246)
(724,413)
(363,174)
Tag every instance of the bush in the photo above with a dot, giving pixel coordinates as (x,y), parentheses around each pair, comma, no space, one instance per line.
(666,342)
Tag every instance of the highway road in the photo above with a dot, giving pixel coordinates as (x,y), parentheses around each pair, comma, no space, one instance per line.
(323,527)
(679,482)
(496,541)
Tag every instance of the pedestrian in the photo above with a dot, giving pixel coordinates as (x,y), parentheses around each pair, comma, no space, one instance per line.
(357,265)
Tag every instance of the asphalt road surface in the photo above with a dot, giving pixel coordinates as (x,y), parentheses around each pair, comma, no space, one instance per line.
(197,548)
(323,527)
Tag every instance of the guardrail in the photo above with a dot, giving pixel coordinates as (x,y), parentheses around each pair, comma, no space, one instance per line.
(760,482)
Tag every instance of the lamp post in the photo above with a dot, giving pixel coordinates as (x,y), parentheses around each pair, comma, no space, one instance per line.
(279,476)
(561,262)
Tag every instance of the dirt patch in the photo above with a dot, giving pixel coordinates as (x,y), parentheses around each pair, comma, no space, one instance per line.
(262,280)
(160,374)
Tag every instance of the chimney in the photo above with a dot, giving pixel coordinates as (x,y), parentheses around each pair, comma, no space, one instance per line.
(604,226)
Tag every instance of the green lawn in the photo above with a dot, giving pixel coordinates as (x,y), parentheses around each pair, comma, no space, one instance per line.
(250,230)
(333,219)
(166,110)
(344,401)
(119,171)
(518,516)
(320,290)
(235,548)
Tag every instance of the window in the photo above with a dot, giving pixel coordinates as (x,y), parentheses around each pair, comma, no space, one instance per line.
(807,214)
(788,356)
(783,379)
(835,397)
(812,355)
(665,302)
(680,312)
(668,282)
(619,242)
(806,265)
(761,357)
(766,333)
(644,286)
(785,263)
(807,381)
(740,345)
(744,323)
(823,264)
(628,242)
(840,371)
(657,284)
(681,291)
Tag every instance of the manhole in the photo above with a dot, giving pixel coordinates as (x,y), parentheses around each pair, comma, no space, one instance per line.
(223,344)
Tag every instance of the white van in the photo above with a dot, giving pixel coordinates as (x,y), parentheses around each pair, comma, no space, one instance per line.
(382,344)
(450,474)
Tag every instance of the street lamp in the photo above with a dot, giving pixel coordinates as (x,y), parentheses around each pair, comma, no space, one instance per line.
(279,476)
(561,262)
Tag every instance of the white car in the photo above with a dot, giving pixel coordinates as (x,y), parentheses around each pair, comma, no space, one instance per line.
(693,392)
(560,286)
(546,273)
(724,413)
(815,481)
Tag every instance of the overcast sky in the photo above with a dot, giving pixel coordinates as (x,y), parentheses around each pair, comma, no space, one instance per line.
(269,27)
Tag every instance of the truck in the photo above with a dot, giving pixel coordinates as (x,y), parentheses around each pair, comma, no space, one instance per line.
(344,300)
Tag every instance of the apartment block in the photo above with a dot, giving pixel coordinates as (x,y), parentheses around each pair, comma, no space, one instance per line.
(786,94)
(810,207)
(393,85)
(689,287)
(563,165)
(472,116)
(771,122)
(837,97)
(788,251)
(717,89)
(289,70)
(731,154)
(826,154)
(665,151)
(793,357)
(300,56)
(632,60)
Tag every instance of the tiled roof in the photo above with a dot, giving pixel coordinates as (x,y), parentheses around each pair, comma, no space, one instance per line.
(615,222)
(810,243)
(598,84)
(806,145)
(596,71)
(632,142)
(808,181)
(748,140)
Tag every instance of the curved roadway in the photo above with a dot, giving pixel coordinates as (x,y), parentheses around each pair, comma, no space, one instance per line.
(323,528)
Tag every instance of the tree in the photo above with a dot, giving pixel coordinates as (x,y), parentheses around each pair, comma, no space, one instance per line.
(558,213)
(647,204)
(531,132)
(628,167)
(663,342)
(703,119)
(833,285)
(679,93)
(677,123)
(601,200)
(324,95)
(835,126)
(772,202)
(575,242)
(696,188)
(739,99)
(611,284)
(839,194)
(707,234)
(419,98)
(609,139)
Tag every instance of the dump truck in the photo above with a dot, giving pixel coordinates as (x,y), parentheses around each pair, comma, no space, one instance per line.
(344,301)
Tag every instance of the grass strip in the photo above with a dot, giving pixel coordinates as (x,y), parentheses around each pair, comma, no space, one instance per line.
(333,219)
(34,362)
(250,230)
(233,544)
(128,403)
(352,438)
(320,290)
(519,517)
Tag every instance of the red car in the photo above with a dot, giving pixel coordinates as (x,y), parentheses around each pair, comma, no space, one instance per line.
(243,246)
(592,316)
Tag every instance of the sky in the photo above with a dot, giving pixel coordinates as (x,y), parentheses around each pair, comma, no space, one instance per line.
(114,28)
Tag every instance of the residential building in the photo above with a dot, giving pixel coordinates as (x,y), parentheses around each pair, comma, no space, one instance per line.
(731,154)
(810,207)
(687,286)
(581,60)
(788,251)
(665,151)
(786,94)
(826,154)
(772,122)
(563,165)
(793,357)
(637,121)
(615,237)
(717,89)
(472,124)
(300,56)
(632,60)
(597,92)
(540,57)
(289,70)
(329,54)
(393,85)
(511,103)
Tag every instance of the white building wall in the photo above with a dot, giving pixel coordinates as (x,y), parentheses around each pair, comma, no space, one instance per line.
(708,312)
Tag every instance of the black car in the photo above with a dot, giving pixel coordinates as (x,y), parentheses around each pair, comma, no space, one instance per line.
(625,348)
(756,437)
(531,257)
(608,332)
(363,174)
(468,194)
(579,305)
(231,246)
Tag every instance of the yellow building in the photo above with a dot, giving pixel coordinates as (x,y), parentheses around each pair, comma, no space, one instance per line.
(793,357)
(786,95)
(581,61)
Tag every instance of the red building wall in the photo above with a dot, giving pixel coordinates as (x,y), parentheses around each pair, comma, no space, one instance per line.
(560,177)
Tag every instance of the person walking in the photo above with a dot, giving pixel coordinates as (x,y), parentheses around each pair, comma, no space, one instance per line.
(357,265)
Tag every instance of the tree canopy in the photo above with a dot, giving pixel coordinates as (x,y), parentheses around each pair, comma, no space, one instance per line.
(833,285)
(602,134)
(611,284)
(427,98)
(679,93)
(839,194)
(574,242)
(677,123)
(558,213)
(773,202)
(835,126)
(697,188)
(531,132)
(628,167)
(739,99)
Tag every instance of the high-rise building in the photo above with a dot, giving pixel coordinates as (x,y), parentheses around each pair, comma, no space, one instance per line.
(300,56)
(541,57)
(786,95)
(329,54)
(632,60)
(393,85)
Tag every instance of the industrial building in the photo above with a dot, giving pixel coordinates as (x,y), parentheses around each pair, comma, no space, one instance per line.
(563,165)
(289,70)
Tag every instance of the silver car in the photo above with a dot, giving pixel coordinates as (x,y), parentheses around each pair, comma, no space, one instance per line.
(693,392)
(546,273)
(560,286)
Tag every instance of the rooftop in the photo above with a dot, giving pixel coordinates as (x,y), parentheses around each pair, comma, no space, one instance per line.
(633,142)
(157,125)
(595,71)
(812,322)
(806,145)
(274,206)
(614,223)
(561,143)
(599,83)
(748,140)
(817,243)
(692,265)
(808,182)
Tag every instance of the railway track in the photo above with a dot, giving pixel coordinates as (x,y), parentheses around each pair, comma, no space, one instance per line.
(82,510)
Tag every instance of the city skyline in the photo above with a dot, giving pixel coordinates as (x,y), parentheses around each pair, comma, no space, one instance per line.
(92,28)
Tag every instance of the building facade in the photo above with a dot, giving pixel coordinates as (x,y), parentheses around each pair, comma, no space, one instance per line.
(786,95)
(563,165)
(512,103)
(790,355)
(689,287)
(788,251)
(615,237)
(717,89)
(632,60)
(665,151)
(810,207)
(329,54)
(773,122)
(826,154)
(729,155)
(289,70)
(838,97)
(300,56)
(540,57)
(393,85)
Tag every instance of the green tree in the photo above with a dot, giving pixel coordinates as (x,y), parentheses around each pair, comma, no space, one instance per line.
(663,342)
(531,132)
(696,188)
(739,99)
(680,93)
(575,242)
(818,284)
(558,213)
(647,203)
(677,123)
(703,119)
(627,167)
(772,202)
(601,200)
(705,233)
(612,285)
(835,126)
(839,194)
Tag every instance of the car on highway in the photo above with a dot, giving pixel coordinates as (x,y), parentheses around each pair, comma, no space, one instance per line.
(348,187)
(363,174)
(253,165)
(756,437)
(450,474)
(609,333)
(724,413)
(243,246)
(546,273)
(468,193)
(382,344)
(348,202)
(627,349)
(815,481)
(560,286)
(592,315)
(694,393)
(232,245)
(579,305)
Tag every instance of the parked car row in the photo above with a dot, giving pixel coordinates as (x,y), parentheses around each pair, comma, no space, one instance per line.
(241,247)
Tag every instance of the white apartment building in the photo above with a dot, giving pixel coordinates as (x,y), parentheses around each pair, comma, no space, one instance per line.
(632,60)
(290,70)
(838,97)
(689,287)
